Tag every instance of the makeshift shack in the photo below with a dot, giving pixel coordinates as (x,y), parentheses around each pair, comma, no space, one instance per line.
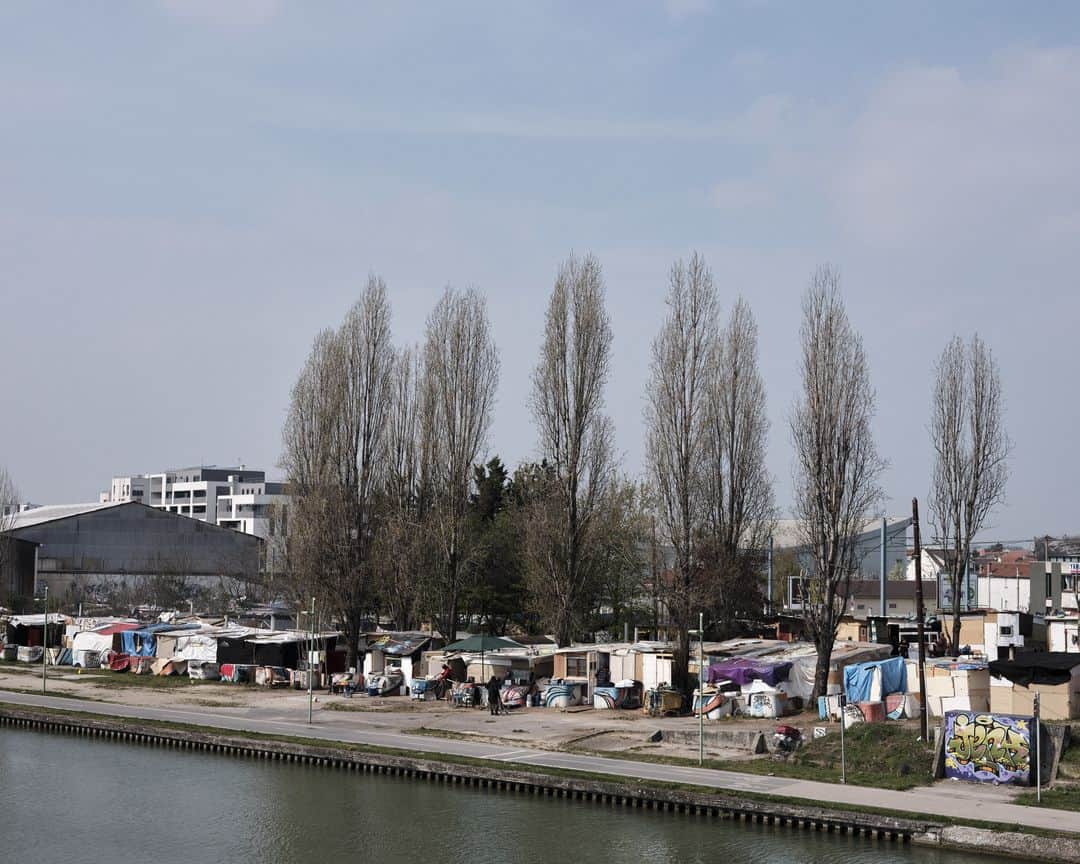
(142,642)
(744,670)
(1055,676)
(802,657)
(89,647)
(602,663)
(400,651)
(952,685)
(286,648)
(874,680)
(30,630)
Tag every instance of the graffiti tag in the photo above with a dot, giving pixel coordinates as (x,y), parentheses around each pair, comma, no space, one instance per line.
(987,747)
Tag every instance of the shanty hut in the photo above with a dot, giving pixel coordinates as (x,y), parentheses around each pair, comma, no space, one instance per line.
(403,651)
(30,630)
(89,647)
(1055,676)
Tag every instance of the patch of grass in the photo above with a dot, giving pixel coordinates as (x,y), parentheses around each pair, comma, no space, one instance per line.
(877,755)
(1066,798)
(36,691)
(371,707)
(126,680)
(1072,752)
(24,668)
(451,734)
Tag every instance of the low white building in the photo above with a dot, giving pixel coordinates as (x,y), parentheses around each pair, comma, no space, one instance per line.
(1004,580)
(237,498)
(1063,633)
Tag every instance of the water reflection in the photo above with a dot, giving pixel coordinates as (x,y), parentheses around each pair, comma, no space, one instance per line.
(78,799)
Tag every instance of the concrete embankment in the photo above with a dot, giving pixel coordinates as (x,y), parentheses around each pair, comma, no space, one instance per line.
(534,782)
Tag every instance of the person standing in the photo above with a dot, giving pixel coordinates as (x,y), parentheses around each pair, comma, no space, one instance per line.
(494,699)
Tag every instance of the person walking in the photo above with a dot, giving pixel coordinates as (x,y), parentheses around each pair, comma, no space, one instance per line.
(494,699)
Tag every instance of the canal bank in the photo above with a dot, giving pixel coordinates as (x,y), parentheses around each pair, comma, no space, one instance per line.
(630,793)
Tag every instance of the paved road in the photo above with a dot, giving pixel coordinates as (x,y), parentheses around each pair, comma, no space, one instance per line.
(958,801)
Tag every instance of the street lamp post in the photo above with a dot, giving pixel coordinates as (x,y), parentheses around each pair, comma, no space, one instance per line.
(700,633)
(843,723)
(45,641)
(1038,749)
(310,673)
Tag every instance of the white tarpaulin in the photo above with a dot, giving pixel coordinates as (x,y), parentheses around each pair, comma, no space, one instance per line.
(89,640)
(35,620)
(195,647)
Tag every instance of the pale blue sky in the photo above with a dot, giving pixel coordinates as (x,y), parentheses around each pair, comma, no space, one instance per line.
(190,190)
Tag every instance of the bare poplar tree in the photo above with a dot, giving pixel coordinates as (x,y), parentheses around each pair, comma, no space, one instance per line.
(739,492)
(707,431)
(9,506)
(676,418)
(334,452)
(461,373)
(971,447)
(402,544)
(836,461)
(575,443)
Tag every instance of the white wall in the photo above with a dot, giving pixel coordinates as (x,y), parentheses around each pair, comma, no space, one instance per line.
(1004,593)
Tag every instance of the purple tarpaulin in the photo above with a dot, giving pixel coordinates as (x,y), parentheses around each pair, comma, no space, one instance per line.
(742,671)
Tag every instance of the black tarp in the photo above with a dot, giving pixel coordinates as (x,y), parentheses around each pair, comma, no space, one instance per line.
(284,654)
(1039,667)
(234,650)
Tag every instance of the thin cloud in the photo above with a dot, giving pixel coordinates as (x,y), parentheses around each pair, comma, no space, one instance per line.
(229,13)
(680,9)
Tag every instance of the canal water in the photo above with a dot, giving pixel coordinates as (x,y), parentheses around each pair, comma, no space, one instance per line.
(81,799)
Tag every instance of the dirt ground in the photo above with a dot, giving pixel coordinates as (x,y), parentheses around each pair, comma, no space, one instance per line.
(576,728)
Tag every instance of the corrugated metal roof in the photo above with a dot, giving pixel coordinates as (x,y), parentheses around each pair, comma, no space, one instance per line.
(52,512)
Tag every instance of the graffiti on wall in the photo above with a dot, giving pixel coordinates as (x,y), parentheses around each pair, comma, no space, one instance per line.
(987,748)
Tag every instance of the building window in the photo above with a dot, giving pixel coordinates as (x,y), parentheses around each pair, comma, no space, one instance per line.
(892,605)
(575,667)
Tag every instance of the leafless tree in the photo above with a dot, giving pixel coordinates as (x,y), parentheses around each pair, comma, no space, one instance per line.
(575,443)
(678,438)
(971,447)
(707,431)
(739,491)
(403,550)
(741,510)
(460,376)
(836,461)
(9,506)
(334,452)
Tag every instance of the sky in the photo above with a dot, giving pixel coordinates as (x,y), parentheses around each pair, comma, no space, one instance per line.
(190,191)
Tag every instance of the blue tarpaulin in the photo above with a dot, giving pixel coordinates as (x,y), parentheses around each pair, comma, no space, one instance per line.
(146,644)
(858,678)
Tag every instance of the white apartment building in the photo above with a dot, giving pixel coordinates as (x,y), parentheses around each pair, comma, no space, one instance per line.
(236,498)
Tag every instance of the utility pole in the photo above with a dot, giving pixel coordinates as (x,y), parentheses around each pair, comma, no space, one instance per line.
(701,689)
(843,749)
(700,633)
(920,611)
(1038,750)
(45,639)
(769,609)
(884,575)
(310,671)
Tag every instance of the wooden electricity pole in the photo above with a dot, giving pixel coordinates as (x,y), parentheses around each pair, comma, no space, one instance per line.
(920,611)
